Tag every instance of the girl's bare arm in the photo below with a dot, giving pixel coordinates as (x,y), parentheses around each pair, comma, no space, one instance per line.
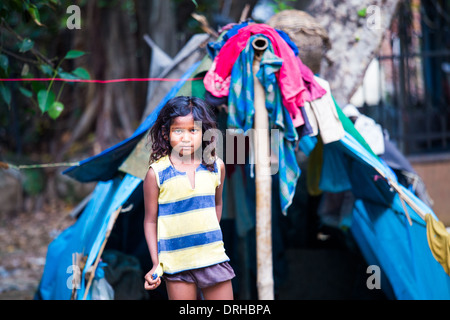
(219,189)
(151,192)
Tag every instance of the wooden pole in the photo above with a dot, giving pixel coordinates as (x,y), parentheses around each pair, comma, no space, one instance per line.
(263,181)
(112,221)
(403,198)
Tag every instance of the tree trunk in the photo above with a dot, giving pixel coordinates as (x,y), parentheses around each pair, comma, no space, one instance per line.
(354,38)
(161,25)
(113,39)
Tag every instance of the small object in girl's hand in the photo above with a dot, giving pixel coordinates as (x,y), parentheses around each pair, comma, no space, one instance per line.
(158,272)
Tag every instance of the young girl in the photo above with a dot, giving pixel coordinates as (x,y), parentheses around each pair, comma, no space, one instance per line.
(183,205)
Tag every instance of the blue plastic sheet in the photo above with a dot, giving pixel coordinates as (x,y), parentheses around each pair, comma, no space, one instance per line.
(85,236)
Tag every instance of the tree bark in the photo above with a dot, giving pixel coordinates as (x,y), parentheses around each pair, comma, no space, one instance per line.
(113,39)
(354,40)
(162,26)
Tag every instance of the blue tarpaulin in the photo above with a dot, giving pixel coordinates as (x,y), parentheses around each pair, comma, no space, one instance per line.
(384,235)
(85,237)
(379,224)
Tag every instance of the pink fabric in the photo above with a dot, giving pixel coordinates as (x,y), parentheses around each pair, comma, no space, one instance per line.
(292,86)
(313,89)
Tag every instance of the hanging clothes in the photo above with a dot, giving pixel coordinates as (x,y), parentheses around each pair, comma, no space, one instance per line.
(314,90)
(371,131)
(236,204)
(438,241)
(350,128)
(232,29)
(292,86)
(323,116)
(213,47)
(241,112)
(336,167)
(314,169)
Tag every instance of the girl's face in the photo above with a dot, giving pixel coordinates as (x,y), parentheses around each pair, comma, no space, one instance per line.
(185,135)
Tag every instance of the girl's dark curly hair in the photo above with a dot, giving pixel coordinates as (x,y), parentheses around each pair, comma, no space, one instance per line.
(179,107)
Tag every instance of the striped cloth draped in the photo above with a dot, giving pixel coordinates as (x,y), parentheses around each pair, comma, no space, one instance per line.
(189,234)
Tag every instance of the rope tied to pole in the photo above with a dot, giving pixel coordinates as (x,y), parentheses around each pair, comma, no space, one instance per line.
(6,165)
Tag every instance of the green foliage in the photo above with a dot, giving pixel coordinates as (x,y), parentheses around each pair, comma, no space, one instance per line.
(55,109)
(45,99)
(6,94)
(24,24)
(33,181)
(81,73)
(72,54)
(362,13)
(4,62)
(281,5)
(26,45)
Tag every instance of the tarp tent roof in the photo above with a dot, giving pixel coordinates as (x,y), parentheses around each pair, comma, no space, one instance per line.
(384,234)
(379,224)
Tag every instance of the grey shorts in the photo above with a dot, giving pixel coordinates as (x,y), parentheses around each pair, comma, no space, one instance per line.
(204,277)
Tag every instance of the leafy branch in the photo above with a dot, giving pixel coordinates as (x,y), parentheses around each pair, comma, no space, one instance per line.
(26,44)
(17,54)
(46,98)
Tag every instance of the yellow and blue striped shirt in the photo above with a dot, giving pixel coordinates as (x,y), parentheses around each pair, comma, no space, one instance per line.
(189,234)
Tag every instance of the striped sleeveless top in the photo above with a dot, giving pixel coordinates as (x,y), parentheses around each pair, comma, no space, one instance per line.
(189,234)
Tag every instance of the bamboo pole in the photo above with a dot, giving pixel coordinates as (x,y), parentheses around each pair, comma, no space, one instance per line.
(263,182)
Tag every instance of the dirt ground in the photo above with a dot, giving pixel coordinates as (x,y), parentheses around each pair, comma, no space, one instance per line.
(24,238)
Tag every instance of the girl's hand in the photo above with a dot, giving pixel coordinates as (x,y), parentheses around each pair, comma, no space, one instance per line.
(149,283)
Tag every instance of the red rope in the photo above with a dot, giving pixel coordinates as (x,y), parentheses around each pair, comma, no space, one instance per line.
(96,81)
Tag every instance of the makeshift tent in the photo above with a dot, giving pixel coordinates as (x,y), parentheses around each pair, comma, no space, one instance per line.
(379,221)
